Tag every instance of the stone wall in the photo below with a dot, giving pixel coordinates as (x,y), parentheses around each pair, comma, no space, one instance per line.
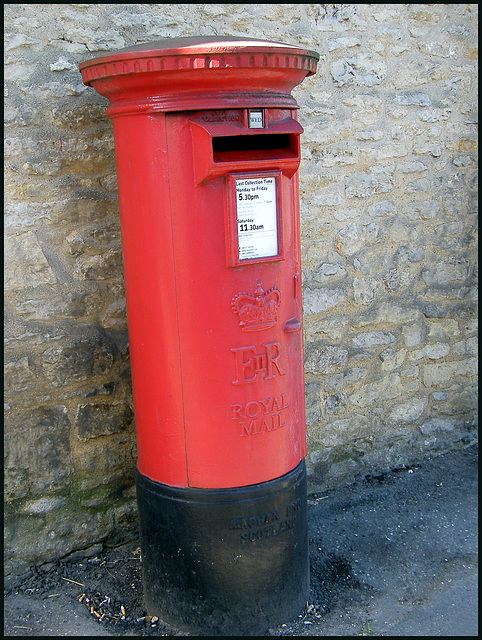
(388,208)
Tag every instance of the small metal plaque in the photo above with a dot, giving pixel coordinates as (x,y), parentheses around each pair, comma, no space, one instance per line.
(256,119)
(256,217)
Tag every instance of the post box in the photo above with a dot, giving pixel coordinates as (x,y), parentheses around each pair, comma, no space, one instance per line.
(207,149)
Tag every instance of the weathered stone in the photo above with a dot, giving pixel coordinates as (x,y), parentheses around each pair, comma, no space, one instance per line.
(372,338)
(451,270)
(354,237)
(424,210)
(325,359)
(364,290)
(466,347)
(460,398)
(412,335)
(79,360)
(438,49)
(359,70)
(346,379)
(365,184)
(99,267)
(115,316)
(388,314)
(440,373)
(76,243)
(407,412)
(39,459)
(434,425)
(71,304)
(332,327)
(388,387)
(43,505)
(419,99)
(75,556)
(112,461)
(328,272)
(443,329)
(95,420)
(397,279)
(62,64)
(431,351)
(382,208)
(346,430)
(391,359)
(26,264)
(335,404)
(312,403)
(19,376)
(432,310)
(317,300)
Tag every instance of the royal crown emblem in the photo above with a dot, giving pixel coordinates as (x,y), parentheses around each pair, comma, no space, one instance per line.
(258,310)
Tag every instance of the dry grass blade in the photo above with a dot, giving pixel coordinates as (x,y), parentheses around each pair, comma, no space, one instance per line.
(74,581)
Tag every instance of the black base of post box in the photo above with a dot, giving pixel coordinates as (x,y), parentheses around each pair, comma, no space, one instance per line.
(225,561)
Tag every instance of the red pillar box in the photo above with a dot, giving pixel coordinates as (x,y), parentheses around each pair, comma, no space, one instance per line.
(207,153)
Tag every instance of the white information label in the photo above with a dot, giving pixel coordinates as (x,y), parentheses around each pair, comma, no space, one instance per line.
(256,218)
(256,120)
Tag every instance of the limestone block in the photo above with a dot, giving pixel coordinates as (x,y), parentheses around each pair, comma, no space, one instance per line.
(392,359)
(467,347)
(364,184)
(37,451)
(443,372)
(361,70)
(95,420)
(419,99)
(407,412)
(64,304)
(99,267)
(317,300)
(345,430)
(387,314)
(327,272)
(325,359)
(312,403)
(332,328)
(19,376)
(387,388)
(77,359)
(348,378)
(372,338)
(435,425)
(25,265)
(364,290)
(432,351)
(354,237)
(450,270)
(335,404)
(412,335)
(43,505)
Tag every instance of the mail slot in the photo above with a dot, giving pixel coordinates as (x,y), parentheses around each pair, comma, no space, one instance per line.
(207,148)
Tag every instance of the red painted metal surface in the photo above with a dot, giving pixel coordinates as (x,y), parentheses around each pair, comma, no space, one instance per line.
(214,321)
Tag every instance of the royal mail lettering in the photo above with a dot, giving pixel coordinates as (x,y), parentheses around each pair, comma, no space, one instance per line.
(260,416)
(262,425)
(259,408)
(249,365)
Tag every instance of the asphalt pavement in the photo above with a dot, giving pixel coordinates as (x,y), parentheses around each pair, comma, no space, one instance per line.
(406,543)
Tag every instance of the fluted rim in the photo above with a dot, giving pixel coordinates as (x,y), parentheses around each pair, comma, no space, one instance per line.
(174,54)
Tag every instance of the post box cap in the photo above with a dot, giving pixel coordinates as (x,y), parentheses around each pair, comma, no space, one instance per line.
(198,65)
(201,45)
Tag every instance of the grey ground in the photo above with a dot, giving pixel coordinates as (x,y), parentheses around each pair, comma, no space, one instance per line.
(392,555)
